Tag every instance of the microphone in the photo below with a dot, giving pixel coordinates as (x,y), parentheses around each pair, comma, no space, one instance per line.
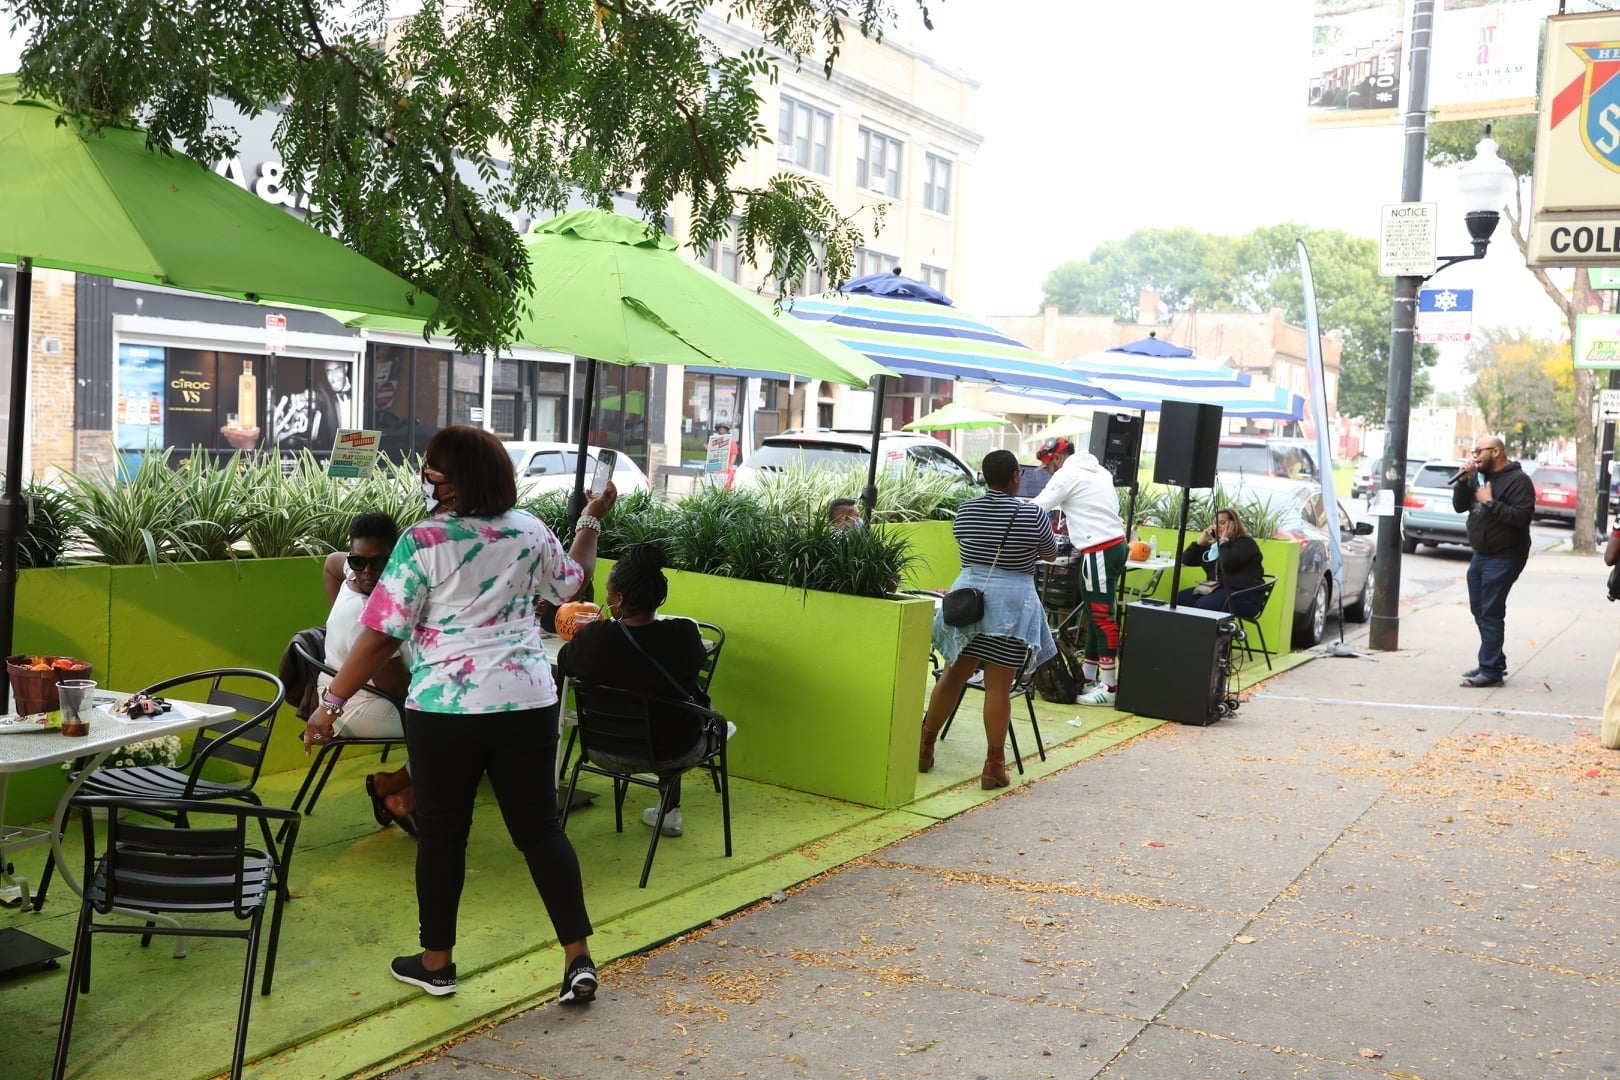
(1457,477)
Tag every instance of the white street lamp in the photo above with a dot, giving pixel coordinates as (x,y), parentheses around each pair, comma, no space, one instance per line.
(1485,184)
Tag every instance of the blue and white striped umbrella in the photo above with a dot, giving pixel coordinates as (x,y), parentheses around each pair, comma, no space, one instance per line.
(912,329)
(1144,374)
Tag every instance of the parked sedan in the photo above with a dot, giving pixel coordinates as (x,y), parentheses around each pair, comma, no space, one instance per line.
(1304,518)
(1427,517)
(1555,493)
(549,466)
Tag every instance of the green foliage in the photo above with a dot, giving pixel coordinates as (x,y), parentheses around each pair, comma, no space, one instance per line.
(50,529)
(216,510)
(585,100)
(1160,507)
(909,494)
(133,518)
(1254,272)
(1524,386)
(1454,143)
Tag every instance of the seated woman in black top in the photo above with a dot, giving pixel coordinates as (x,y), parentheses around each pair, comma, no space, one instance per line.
(604,654)
(1231,562)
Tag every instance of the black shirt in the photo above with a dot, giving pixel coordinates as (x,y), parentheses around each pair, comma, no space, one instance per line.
(600,654)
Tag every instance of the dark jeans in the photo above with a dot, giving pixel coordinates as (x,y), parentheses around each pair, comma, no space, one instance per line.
(1247,606)
(450,755)
(1489,579)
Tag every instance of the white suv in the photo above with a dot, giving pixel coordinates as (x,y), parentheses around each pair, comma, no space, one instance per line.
(838,449)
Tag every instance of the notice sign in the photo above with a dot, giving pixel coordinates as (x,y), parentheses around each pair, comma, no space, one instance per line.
(720,463)
(275,333)
(1445,314)
(355,453)
(1597,341)
(1406,239)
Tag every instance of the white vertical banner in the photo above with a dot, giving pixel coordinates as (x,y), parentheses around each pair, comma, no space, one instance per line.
(1320,420)
(1483,58)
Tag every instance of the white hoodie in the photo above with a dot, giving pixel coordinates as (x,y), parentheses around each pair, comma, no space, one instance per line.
(1084,491)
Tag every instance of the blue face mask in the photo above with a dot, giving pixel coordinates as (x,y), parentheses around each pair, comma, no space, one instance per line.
(1213,553)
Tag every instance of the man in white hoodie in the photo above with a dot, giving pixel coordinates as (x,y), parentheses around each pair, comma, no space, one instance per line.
(1084,491)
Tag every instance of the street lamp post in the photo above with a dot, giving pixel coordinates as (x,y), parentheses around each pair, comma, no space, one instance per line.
(1484,186)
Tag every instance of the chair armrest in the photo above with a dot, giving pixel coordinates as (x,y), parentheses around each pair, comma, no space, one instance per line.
(185,806)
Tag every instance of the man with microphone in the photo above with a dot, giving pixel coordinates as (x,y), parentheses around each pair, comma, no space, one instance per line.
(1498,498)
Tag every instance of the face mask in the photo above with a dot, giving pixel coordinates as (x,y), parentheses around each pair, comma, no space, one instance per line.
(430,496)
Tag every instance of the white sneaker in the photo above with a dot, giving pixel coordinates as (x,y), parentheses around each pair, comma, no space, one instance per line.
(672,820)
(1097,695)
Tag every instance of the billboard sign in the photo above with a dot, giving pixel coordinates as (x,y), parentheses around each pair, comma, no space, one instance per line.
(1356,64)
(1482,63)
(1577,167)
(1597,341)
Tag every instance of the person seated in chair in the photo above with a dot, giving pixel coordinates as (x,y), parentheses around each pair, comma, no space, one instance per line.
(350,576)
(1231,561)
(639,652)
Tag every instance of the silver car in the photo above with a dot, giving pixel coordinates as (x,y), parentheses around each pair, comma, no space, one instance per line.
(1303,517)
(1427,517)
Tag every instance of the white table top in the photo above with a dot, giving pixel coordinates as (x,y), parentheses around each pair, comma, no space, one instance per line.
(1158,562)
(20,751)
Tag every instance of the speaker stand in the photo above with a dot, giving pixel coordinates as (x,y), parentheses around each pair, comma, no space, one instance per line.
(1181,545)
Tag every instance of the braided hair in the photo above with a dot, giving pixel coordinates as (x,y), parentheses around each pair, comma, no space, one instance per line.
(639,579)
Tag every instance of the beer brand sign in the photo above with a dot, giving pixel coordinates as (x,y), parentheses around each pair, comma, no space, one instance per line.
(1577,167)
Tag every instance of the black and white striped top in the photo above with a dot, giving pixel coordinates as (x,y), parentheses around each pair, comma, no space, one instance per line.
(982,522)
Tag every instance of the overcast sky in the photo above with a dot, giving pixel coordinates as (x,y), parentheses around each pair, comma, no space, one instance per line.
(1102,118)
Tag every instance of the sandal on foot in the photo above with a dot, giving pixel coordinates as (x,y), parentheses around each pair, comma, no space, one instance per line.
(407,823)
(379,808)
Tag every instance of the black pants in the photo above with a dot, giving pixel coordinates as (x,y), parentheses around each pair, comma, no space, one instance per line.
(450,754)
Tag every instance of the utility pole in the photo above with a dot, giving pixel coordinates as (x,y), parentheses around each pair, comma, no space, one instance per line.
(1385,632)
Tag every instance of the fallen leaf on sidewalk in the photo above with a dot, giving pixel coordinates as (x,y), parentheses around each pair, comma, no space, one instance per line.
(1593,774)
(1371,1055)
(1155,843)
(1244,939)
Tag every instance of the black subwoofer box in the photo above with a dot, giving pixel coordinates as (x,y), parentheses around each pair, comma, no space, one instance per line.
(1173,662)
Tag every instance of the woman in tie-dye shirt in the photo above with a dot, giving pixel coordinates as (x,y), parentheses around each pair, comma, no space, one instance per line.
(459,591)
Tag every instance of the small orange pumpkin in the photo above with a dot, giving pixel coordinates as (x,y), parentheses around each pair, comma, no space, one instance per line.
(568,617)
(1141,551)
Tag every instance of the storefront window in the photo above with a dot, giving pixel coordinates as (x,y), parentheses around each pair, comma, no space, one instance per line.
(415,392)
(708,402)
(619,419)
(220,401)
(527,402)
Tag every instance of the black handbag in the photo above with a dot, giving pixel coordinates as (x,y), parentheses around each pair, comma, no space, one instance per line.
(964,607)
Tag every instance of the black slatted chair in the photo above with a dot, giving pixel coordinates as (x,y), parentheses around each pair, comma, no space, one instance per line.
(161,869)
(329,752)
(239,743)
(1263,591)
(616,741)
(1023,685)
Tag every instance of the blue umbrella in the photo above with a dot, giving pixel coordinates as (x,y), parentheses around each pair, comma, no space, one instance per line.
(913,329)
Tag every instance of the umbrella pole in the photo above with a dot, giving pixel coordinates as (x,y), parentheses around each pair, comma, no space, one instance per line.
(869,496)
(13,512)
(576,501)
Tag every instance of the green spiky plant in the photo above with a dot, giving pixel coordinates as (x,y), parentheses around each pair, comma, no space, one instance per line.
(133,517)
(217,508)
(295,513)
(51,526)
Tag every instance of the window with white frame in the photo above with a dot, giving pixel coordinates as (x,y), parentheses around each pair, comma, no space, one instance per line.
(721,255)
(868,261)
(804,136)
(933,277)
(937,184)
(877,164)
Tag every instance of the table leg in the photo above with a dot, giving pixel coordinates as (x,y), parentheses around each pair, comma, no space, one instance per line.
(20,952)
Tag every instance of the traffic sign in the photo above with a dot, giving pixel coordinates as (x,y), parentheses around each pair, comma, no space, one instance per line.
(275,333)
(1445,315)
(1407,239)
(1608,405)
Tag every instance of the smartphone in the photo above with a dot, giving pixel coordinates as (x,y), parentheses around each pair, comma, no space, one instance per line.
(606,461)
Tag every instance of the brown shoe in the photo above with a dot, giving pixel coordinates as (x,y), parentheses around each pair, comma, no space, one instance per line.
(925,751)
(994,774)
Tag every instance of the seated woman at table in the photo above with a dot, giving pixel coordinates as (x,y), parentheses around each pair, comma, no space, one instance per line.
(638,651)
(1231,562)
(350,576)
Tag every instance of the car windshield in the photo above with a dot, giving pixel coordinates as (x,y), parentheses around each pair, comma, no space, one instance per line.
(1433,476)
(1254,460)
(774,456)
(1547,476)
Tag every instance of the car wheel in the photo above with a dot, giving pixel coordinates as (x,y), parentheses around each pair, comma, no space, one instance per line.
(1308,627)
(1408,545)
(1361,610)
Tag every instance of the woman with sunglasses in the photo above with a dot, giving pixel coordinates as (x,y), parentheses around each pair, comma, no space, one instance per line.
(350,576)
(461,588)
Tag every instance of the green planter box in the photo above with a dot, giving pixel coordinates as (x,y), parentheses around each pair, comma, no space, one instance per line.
(1279,557)
(826,690)
(939,561)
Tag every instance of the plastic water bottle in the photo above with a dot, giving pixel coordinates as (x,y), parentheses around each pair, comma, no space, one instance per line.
(1153,547)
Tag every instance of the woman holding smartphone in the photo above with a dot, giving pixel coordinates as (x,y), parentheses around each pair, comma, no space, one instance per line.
(1231,561)
(460,588)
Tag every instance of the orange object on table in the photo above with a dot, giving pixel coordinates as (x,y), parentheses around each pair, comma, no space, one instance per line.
(34,678)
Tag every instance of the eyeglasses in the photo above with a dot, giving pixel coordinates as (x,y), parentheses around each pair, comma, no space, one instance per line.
(1484,449)
(440,481)
(358,563)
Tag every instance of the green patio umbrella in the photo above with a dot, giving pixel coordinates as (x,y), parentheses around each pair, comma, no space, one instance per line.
(954,416)
(105,204)
(605,290)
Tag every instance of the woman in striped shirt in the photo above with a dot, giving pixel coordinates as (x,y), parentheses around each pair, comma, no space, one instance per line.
(1000,538)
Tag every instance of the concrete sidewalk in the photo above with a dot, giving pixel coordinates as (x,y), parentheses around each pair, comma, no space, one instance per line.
(1367,871)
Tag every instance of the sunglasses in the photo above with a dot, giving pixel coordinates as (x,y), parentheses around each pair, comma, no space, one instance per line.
(358,563)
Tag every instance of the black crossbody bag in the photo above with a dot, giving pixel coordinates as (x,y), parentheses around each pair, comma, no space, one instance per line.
(964,607)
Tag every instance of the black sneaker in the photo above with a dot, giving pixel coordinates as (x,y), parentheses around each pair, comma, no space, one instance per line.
(579,983)
(409,969)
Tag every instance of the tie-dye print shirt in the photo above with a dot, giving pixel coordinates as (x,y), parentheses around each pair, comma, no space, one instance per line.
(460,591)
